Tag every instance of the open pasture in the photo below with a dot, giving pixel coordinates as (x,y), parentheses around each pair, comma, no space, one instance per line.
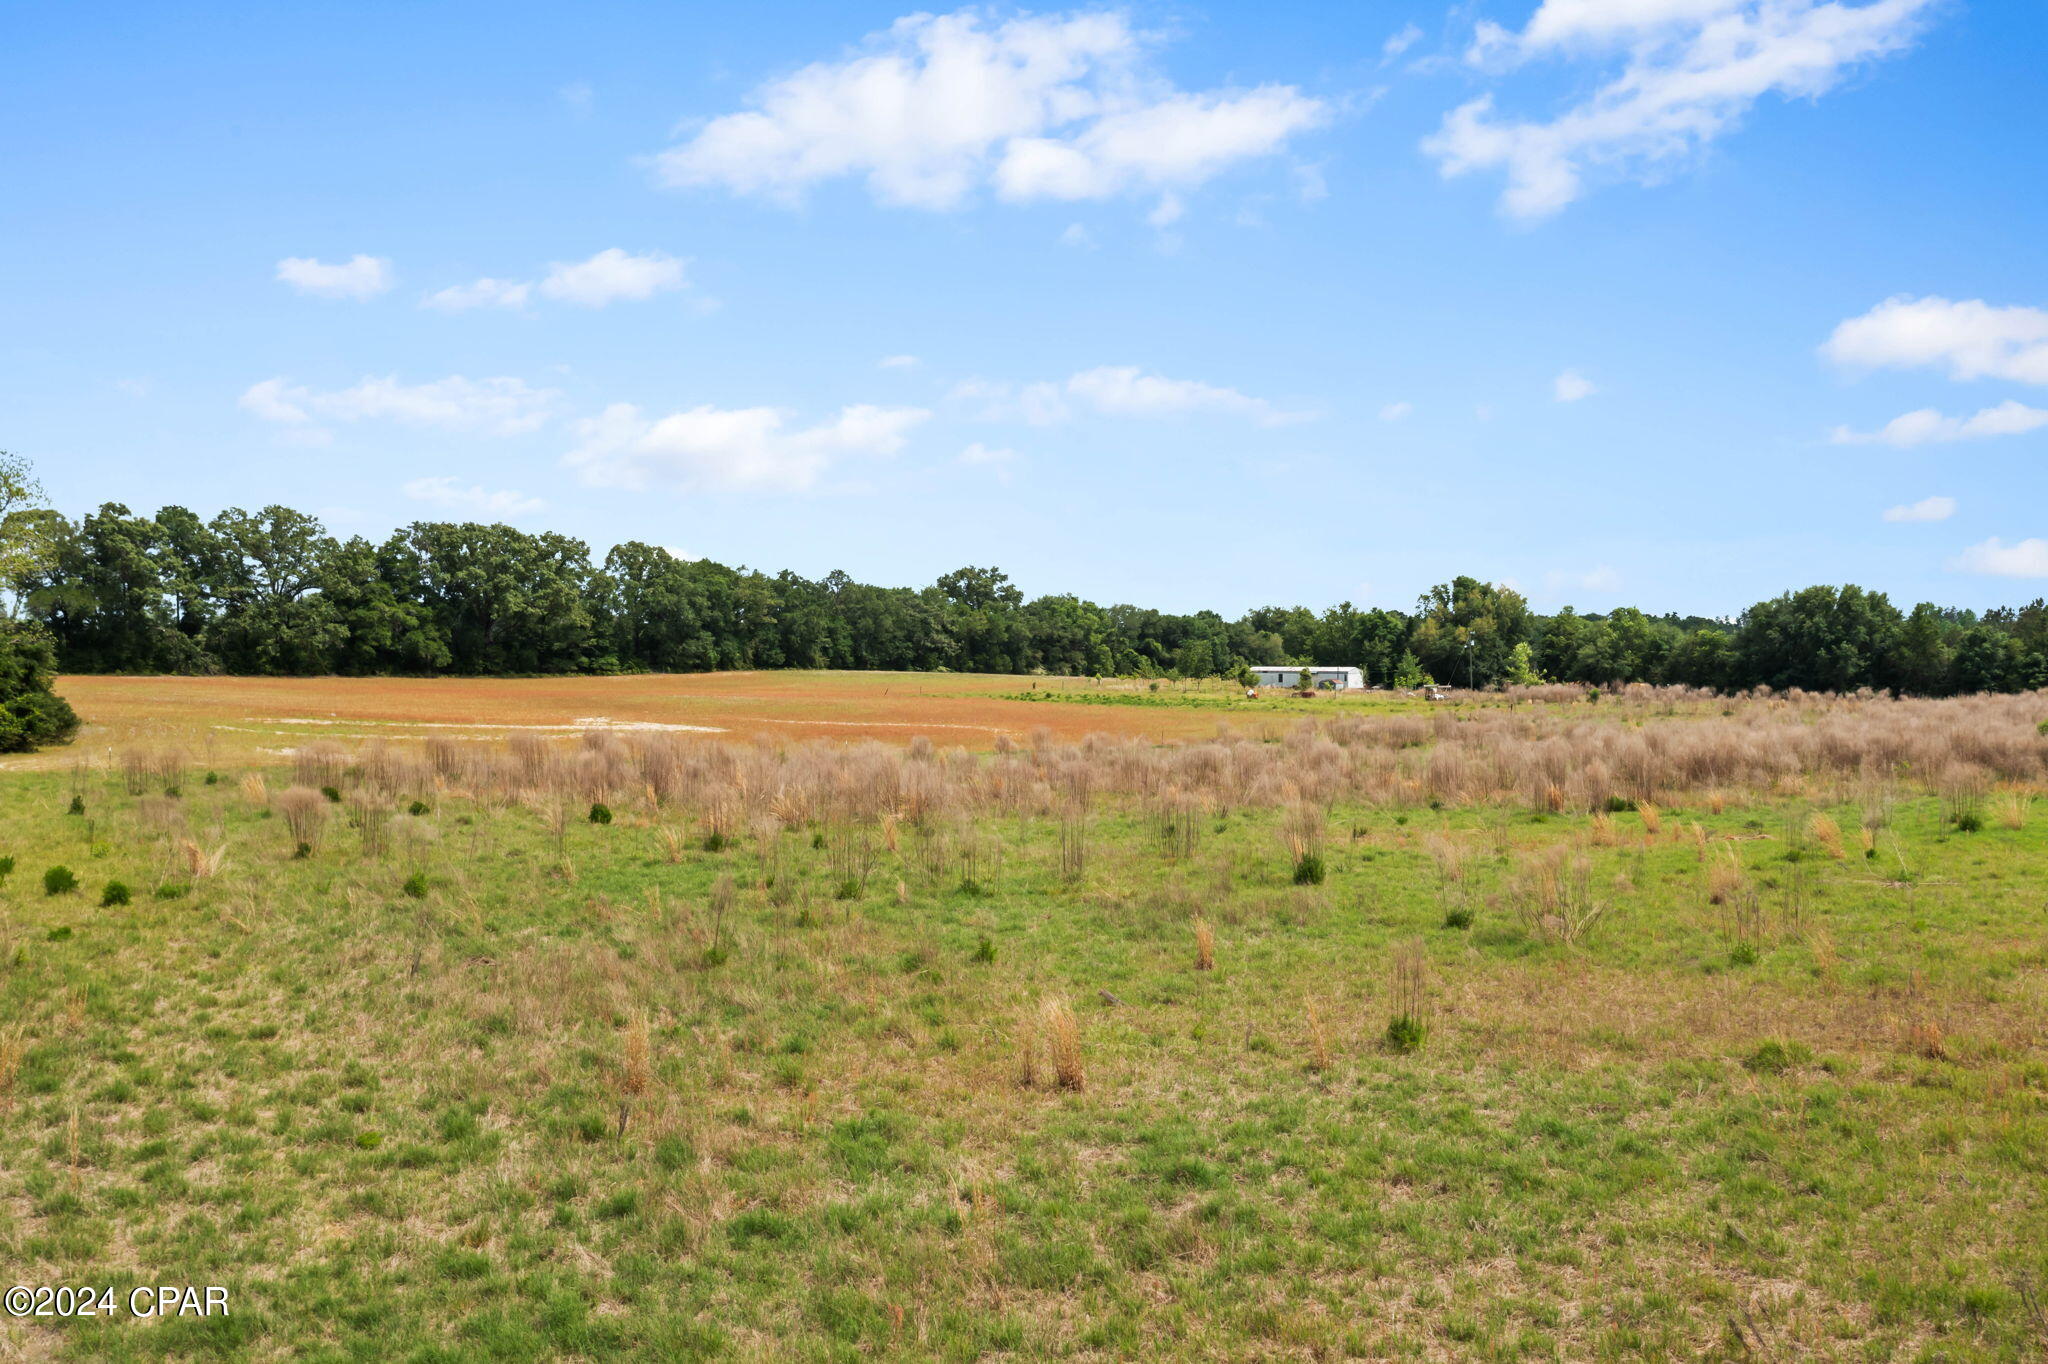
(263,718)
(1666,1026)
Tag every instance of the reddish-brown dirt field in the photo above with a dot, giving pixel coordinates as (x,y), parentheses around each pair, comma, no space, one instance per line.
(253,716)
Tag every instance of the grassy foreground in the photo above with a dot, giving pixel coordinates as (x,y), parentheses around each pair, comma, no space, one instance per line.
(475,1088)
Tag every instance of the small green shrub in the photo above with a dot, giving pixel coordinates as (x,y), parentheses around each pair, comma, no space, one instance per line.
(2041,728)
(600,813)
(77,805)
(62,934)
(714,956)
(418,808)
(984,951)
(213,779)
(302,852)
(172,890)
(1744,954)
(116,893)
(1969,821)
(1459,918)
(333,793)
(714,842)
(1406,1033)
(1308,869)
(416,885)
(818,841)
(849,889)
(59,881)
(1775,1058)
(6,867)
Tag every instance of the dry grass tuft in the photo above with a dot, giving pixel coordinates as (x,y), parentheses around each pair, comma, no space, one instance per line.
(1318,1042)
(1652,817)
(636,1075)
(1725,880)
(1063,1045)
(1205,946)
(199,863)
(304,811)
(1823,830)
(1925,1037)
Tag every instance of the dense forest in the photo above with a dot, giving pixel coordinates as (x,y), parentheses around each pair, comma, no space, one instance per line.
(271,592)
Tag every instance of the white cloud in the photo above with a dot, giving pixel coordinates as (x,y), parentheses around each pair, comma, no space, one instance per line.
(1571,386)
(1927,426)
(1078,236)
(941,106)
(578,98)
(1113,391)
(1127,391)
(271,400)
(1400,42)
(2025,559)
(1693,69)
(1040,404)
(483,293)
(900,362)
(978,453)
(612,275)
(681,555)
(477,500)
(359,277)
(1972,339)
(1926,509)
(500,406)
(730,449)
(1394,412)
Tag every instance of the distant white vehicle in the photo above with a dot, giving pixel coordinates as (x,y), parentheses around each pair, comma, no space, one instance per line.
(1321,679)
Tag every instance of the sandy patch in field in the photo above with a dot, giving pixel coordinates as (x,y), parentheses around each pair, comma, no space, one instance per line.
(222,719)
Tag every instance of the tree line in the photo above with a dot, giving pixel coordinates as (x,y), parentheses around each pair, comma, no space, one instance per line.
(272,592)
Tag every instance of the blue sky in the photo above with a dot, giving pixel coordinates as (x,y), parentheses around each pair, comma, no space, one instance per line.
(1676,303)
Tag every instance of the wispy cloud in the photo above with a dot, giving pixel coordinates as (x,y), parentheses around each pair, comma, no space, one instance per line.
(1926,509)
(358,278)
(752,449)
(1970,339)
(612,276)
(475,499)
(1691,71)
(1571,386)
(940,107)
(482,293)
(1927,426)
(1115,391)
(2023,559)
(500,406)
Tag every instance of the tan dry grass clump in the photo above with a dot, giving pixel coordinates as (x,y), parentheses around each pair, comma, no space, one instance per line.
(1823,830)
(636,1072)
(1205,946)
(304,811)
(1063,1045)
(199,863)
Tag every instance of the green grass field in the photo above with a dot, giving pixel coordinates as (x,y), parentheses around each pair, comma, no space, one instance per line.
(472,1088)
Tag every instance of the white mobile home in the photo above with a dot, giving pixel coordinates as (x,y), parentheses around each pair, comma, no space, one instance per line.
(1322,679)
